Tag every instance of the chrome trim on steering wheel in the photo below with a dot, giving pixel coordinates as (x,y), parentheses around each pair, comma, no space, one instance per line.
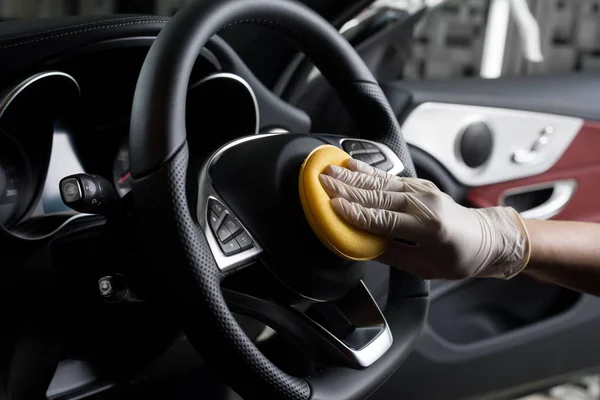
(363,353)
(206,191)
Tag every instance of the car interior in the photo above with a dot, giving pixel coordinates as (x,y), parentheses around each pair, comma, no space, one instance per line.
(152,238)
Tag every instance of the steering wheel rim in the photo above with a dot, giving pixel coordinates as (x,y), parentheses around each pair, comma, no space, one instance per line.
(159,165)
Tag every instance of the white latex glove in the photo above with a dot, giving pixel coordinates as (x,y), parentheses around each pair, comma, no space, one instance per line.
(449,241)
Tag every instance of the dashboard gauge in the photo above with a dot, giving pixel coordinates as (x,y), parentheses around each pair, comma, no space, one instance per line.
(121,173)
(15,180)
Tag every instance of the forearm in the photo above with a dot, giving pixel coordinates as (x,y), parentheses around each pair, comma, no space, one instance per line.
(565,253)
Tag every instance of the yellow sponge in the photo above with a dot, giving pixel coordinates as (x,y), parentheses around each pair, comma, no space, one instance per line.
(340,237)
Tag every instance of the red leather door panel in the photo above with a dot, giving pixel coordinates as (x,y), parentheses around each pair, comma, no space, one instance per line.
(581,162)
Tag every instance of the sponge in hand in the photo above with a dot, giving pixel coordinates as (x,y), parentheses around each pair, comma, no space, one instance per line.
(334,232)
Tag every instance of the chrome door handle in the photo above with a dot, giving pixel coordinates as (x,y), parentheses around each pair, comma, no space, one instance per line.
(527,156)
(562,192)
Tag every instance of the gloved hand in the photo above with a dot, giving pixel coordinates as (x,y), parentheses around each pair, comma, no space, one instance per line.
(446,240)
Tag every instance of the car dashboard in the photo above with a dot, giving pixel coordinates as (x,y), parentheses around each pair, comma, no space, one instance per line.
(68,112)
(89,133)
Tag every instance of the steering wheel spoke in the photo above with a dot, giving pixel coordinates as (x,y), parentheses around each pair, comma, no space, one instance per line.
(354,325)
(350,331)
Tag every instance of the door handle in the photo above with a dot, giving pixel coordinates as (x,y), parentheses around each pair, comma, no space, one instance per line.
(528,155)
(541,201)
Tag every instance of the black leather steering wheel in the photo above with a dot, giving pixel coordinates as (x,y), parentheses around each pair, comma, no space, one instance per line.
(256,179)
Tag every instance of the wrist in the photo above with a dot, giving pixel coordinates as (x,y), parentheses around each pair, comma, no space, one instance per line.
(508,243)
(522,245)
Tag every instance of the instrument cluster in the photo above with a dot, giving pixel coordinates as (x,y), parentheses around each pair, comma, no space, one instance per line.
(15,179)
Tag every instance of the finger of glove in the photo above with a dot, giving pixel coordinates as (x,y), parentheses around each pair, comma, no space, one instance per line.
(363,181)
(395,201)
(359,166)
(390,184)
(380,222)
(362,167)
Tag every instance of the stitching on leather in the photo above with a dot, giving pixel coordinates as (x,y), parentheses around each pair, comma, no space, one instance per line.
(65,28)
(81,31)
(263,22)
(135,21)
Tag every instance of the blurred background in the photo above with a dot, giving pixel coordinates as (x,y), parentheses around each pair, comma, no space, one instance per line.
(450,42)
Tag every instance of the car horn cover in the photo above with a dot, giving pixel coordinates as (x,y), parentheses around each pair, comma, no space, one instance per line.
(332,230)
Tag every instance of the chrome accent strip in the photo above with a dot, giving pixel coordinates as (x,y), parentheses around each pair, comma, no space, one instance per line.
(278,130)
(9,97)
(370,352)
(13,93)
(51,233)
(562,192)
(436,127)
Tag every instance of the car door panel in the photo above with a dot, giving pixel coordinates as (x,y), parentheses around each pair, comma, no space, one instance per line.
(571,94)
(580,162)
(440,128)
(491,338)
(503,365)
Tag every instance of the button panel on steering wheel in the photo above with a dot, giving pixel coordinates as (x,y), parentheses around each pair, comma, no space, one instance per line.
(231,244)
(367,152)
(372,153)
(232,237)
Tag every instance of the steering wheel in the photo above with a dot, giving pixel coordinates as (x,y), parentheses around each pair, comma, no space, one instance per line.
(242,206)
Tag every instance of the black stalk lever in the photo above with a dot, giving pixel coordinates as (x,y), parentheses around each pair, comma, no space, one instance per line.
(88,193)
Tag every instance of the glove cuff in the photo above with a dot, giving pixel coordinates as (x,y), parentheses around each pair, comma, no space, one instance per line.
(525,242)
(508,244)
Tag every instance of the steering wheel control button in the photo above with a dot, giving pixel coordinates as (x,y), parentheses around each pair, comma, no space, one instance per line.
(385,166)
(71,190)
(223,234)
(244,241)
(233,226)
(352,146)
(230,248)
(217,207)
(377,158)
(214,220)
(231,236)
(370,147)
(364,157)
